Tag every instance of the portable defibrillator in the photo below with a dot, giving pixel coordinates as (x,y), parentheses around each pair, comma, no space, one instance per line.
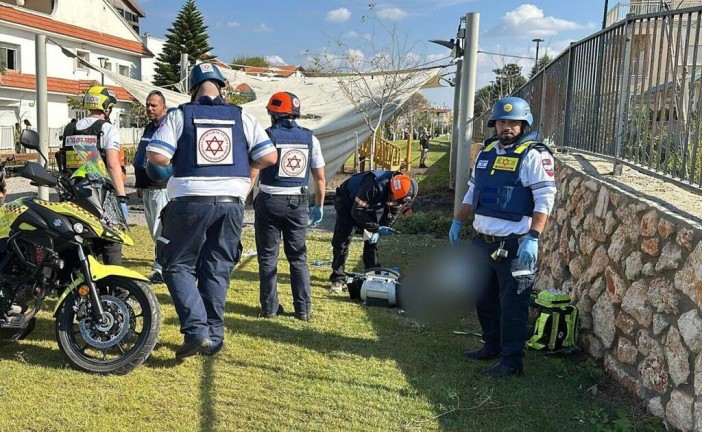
(376,287)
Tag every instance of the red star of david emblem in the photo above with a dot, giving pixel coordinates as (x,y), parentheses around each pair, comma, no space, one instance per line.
(293,163)
(211,145)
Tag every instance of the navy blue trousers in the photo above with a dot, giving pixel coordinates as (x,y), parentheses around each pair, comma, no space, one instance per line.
(198,249)
(341,240)
(287,215)
(503,314)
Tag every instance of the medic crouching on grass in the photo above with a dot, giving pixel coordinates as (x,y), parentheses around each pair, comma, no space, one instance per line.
(370,201)
(511,193)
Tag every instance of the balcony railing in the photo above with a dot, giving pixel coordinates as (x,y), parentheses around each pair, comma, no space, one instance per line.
(620,10)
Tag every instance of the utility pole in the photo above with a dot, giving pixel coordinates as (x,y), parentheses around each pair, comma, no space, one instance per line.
(42,104)
(467,100)
(536,63)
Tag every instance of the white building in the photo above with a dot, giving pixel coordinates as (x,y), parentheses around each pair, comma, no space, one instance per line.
(102,32)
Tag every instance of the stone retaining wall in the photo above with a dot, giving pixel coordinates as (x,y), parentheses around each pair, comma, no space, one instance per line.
(634,270)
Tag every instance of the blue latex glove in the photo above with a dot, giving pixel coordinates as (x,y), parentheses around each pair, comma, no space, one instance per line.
(125,210)
(316,215)
(528,250)
(374,238)
(455,231)
(384,230)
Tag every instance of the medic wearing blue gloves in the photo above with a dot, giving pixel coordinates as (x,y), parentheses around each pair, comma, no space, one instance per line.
(282,206)
(511,193)
(370,201)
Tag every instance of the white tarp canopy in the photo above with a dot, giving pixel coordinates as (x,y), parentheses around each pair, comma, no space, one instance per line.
(338,121)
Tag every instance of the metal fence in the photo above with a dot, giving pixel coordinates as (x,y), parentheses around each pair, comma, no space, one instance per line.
(632,92)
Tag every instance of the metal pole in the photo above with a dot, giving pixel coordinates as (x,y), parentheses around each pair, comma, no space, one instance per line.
(356,162)
(569,96)
(604,15)
(184,69)
(467,103)
(536,62)
(456,124)
(623,111)
(42,105)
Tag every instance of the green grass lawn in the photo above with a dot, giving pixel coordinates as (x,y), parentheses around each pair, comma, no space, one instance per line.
(351,368)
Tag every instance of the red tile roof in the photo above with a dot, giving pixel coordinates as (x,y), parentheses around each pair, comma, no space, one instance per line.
(47,24)
(58,85)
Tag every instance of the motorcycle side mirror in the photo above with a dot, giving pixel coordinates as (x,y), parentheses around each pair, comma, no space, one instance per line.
(30,139)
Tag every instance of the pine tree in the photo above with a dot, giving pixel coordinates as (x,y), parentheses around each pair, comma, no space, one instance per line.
(188,35)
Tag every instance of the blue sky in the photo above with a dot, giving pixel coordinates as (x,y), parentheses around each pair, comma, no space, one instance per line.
(283,31)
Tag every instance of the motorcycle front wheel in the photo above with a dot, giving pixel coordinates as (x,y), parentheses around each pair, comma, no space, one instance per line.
(125,338)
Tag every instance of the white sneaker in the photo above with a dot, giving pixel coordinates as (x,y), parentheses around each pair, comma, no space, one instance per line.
(337,287)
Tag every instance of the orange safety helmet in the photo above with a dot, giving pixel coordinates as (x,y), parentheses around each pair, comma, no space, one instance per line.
(403,188)
(284,104)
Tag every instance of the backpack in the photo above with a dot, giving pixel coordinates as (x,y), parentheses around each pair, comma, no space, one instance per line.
(556,327)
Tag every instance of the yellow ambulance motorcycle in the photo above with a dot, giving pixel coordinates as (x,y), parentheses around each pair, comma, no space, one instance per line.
(107,317)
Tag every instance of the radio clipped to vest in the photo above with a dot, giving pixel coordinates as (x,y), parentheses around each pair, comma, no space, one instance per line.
(556,327)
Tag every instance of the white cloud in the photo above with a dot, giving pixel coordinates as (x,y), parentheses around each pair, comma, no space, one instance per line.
(233,24)
(355,54)
(263,27)
(275,60)
(528,20)
(445,56)
(356,35)
(338,15)
(392,13)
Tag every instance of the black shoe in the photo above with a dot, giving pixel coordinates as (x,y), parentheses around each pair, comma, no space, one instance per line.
(499,370)
(191,348)
(156,278)
(302,317)
(481,354)
(213,350)
(280,311)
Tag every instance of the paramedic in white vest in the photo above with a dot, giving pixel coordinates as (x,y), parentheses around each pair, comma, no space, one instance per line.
(510,194)
(96,130)
(211,146)
(282,206)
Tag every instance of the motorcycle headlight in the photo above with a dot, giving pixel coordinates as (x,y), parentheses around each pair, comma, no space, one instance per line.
(78,228)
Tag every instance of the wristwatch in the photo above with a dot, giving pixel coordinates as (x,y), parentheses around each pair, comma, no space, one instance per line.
(534,233)
(123,198)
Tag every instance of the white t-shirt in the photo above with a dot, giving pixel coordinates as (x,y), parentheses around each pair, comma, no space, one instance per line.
(165,142)
(537,173)
(110,134)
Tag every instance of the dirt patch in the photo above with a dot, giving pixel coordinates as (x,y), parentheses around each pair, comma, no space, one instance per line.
(682,201)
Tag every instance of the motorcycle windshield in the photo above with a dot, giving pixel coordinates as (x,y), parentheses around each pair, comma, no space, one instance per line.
(91,165)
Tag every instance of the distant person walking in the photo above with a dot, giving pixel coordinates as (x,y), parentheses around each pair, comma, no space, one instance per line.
(424,147)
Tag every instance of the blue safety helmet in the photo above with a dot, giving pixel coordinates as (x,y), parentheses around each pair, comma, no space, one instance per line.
(205,72)
(511,108)
(158,173)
